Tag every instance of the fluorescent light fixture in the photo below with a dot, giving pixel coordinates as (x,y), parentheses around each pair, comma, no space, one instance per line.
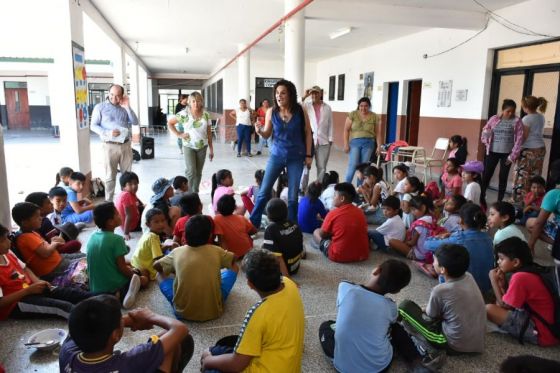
(340,32)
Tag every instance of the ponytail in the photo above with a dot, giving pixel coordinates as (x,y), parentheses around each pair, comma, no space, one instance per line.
(473,216)
(57,179)
(542,104)
(214,185)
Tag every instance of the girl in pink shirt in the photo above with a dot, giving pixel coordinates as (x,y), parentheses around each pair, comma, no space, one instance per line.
(222,184)
(451,180)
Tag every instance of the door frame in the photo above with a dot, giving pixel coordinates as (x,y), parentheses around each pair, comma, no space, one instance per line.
(408,125)
(395,102)
(22,86)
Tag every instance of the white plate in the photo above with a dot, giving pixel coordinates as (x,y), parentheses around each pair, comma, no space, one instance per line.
(55,335)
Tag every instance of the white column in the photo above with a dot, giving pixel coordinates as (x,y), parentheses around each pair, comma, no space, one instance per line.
(68,29)
(119,66)
(143,96)
(244,74)
(5,212)
(294,46)
(134,89)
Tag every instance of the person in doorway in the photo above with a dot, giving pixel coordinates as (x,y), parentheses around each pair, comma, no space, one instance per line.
(261,114)
(181,105)
(321,121)
(362,135)
(502,135)
(291,149)
(243,123)
(531,158)
(112,120)
(196,136)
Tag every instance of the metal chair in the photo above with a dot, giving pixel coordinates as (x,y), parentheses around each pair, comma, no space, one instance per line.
(436,159)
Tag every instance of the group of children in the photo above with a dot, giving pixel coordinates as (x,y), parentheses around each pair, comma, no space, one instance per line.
(194,258)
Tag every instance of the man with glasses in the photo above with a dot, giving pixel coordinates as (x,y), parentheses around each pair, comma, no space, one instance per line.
(112,120)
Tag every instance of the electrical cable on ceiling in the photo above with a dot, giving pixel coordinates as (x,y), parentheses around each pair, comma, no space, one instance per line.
(509,24)
(461,43)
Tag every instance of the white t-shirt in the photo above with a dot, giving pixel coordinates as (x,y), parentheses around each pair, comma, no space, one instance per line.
(400,187)
(327,197)
(472,192)
(393,228)
(243,117)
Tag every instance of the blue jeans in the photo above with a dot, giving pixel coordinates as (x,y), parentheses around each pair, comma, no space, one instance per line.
(243,135)
(228,280)
(262,143)
(274,167)
(360,152)
(378,239)
(375,217)
(84,217)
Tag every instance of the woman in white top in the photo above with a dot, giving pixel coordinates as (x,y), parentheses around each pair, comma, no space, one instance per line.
(243,123)
(197,138)
(532,154)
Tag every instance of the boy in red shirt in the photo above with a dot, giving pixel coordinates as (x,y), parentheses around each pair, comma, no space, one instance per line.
(234,230)
(533,199)
(524,290)
(22,293)
(343,237)
(128,205)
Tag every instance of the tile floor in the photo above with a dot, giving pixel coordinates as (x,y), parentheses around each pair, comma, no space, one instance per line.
(33,159)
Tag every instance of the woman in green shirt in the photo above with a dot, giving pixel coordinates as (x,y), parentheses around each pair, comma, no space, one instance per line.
(361,130)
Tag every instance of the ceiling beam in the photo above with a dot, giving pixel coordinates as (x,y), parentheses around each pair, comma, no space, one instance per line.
(361,13)
(96,16)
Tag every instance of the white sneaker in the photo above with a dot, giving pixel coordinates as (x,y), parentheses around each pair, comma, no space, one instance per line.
(133,288)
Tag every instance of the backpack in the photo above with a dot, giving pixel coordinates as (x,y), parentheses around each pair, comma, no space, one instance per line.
(433,228)
(432,190)
(550,276)
(13,247)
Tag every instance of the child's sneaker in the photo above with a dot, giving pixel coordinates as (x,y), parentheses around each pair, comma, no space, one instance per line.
(133,288)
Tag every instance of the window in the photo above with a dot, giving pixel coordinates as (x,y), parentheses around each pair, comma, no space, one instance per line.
(341,80)
(332,87)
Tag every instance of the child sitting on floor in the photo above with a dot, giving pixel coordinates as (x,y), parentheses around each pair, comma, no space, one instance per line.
(128,205)
(63,177)
(283,238)
(413,247)
(501,216)
(525,290)
(330,179)
(472,171)
(39,255)
(96,326)
(400,173)
(451,181)
(392,228)
(23,294)
(272,333)
(68,232)
(311,210)
(204,274)
(343,235)
(365,341)
(374,190)
(412,187)
(107,268)
(77,210)
(457,317)
(149,246)
(234,231)
(180,187)
(533,199)
(222,184)
(190,206)
(452,221)
(249,196)
(477,242)
(163,191)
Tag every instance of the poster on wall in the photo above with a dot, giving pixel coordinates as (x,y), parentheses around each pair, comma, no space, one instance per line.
(444,93)
(80,85)
(368,85)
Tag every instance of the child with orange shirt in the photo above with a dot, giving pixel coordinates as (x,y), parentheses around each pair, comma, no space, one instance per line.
(234,230)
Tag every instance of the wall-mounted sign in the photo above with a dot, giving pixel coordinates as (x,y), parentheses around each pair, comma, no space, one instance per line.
(444,93)
(461,94)
(266,82)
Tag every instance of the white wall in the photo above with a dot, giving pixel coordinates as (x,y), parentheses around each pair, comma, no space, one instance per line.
(469,66)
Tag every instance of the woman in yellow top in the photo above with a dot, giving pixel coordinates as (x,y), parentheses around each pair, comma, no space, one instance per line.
(361,130)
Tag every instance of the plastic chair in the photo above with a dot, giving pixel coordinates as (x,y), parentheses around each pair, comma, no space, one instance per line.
(436,159)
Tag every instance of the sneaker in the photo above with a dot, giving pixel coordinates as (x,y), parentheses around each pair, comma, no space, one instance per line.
(238,155)
(249,155)
(233,143)
(133,288)
(259,153)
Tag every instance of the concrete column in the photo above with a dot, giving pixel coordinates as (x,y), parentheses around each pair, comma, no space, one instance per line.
(134,89)
(243,67)
(119,66)
(143,96)
(5,212)
(294,46)
(68,30)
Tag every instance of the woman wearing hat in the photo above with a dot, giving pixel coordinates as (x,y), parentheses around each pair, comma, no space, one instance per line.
(197,138)
(291,148)
(362,136)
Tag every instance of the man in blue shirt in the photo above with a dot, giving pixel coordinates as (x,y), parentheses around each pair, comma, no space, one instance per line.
(112,120)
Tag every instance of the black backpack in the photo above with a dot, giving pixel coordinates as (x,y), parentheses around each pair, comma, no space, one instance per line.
(550,276)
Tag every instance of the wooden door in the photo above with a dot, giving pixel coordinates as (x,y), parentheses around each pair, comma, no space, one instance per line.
(413,112)
(17,106)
